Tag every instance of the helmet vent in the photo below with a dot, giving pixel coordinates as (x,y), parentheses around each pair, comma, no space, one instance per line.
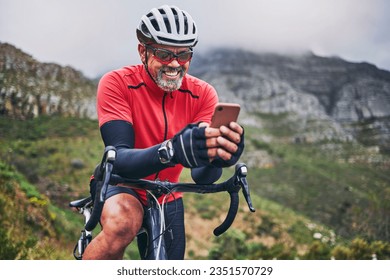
(185,24)
(154,22)
(167,25)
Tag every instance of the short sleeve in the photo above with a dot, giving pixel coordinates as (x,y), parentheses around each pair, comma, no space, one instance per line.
(112,100)
(209,100)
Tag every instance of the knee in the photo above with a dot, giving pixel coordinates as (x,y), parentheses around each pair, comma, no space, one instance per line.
(121,222)
(122,229)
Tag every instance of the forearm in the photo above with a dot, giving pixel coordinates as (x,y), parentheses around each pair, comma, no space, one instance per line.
(137,163)
(130,162)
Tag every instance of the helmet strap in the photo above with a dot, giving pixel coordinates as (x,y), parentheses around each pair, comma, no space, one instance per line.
(146,64)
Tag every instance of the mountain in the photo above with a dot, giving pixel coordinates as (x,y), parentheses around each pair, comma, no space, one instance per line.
(29,88)
(324,97)
(348,101)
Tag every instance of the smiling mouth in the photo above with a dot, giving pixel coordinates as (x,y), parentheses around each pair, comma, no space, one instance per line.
(170,78)
(171,72)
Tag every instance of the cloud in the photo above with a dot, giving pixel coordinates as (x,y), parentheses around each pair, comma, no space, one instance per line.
(292,25)
(98,35)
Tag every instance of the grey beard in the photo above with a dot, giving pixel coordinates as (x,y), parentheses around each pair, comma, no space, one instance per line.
(169,85)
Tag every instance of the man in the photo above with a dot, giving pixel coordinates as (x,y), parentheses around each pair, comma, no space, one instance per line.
(157,117)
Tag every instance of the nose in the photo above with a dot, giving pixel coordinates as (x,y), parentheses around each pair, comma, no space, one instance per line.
(174,63)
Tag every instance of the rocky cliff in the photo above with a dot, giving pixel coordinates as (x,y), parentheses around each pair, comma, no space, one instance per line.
(321,97)
(29,88)
(345,100)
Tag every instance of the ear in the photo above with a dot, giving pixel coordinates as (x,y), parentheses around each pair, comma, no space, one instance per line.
(142,53)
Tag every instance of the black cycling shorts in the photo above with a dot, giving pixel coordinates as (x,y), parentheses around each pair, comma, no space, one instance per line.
(112,190)
(174,236)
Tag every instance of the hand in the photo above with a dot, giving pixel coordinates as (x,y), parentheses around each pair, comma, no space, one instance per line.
(212,135)
(229,144)
(190,147)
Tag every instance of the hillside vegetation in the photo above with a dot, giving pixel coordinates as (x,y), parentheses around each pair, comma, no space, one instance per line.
(46,162)
(37,180)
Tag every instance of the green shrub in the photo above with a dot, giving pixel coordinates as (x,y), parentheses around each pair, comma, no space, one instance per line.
(360,249)
(230,246)
(9,249)
(318,251)
(300,233)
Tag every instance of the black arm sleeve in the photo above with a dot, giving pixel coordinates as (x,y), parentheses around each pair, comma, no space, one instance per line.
(130,162)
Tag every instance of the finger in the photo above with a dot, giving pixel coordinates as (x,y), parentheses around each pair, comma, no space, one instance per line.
(212,132)
(203,124)
(212,153)
(227,145)
(236,127)
(230,134)
(212,142)
(224,154)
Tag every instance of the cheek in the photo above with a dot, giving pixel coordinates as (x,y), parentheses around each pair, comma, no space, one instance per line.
(186,66)
(153,68)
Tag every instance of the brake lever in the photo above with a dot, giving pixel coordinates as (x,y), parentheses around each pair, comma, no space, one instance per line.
(108,159)
(242,171)
(109,155)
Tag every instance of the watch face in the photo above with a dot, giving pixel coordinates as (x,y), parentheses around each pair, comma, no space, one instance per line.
(166,152)
(170,149)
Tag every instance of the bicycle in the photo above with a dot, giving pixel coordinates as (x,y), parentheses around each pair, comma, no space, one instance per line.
(154,225)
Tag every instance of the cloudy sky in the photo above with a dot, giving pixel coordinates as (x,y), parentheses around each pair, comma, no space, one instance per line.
(95,36)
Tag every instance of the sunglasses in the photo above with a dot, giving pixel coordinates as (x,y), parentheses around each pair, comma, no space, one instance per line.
(165,56)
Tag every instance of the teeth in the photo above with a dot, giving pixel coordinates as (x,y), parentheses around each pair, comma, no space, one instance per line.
(171,73)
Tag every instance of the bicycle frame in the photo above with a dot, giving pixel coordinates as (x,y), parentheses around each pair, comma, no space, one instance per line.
(84,206)
(153,220)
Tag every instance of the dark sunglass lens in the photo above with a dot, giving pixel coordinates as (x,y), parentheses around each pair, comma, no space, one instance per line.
(184,56)
(163,55)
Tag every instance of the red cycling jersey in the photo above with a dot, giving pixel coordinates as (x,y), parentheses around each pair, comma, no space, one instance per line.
(131,95)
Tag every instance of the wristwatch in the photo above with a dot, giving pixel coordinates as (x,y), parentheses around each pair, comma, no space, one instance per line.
(166,152)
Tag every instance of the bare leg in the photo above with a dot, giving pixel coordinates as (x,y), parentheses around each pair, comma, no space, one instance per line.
(121,220)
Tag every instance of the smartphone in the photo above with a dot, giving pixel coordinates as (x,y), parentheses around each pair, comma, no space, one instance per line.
(224,113)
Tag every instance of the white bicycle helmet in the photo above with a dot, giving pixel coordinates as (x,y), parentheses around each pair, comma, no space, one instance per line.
(168,25)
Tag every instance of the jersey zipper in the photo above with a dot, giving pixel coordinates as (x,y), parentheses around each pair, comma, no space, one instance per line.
(165,122)
(165,116)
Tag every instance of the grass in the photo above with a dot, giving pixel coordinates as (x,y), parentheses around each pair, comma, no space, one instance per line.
(42,150)
(328,188)
(32,227)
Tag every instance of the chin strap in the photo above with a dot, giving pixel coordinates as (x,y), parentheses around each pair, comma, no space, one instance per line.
(146,64)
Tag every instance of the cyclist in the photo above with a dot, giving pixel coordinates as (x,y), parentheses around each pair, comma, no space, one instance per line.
(157,116)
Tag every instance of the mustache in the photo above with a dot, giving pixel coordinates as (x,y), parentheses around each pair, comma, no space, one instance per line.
(168,68)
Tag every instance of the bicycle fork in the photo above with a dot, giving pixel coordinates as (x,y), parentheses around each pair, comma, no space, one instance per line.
(85,238)
(154,228)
